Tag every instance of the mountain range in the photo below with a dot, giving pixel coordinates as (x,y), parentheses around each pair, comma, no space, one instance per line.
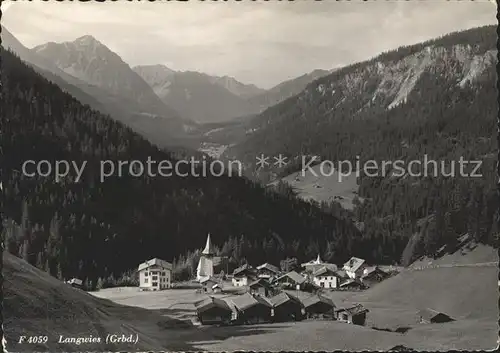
(164,105)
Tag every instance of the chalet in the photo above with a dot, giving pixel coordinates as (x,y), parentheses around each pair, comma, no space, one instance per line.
(261,287)
(212,311)
(75,282)
(286,307)
(155,274)
(352,283)
(373,275)
(267,271)
(291,280)
(353,315)
(252,309)
(318,306)
(327,277)
(354,267)
(429,316)
(314,265)
(243,275)
(208,284)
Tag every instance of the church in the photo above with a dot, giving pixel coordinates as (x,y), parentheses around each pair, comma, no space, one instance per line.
(205,267)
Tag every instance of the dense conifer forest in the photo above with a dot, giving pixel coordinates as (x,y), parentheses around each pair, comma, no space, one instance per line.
(440,118)
(93,230)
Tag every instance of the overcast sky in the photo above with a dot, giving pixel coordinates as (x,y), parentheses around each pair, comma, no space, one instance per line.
(256,42)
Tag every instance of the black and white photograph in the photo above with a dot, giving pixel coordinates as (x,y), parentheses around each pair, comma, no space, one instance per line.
(249,176)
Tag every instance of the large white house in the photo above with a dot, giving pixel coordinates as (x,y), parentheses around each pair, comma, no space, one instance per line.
(155,274)
(327,277)
(355,267)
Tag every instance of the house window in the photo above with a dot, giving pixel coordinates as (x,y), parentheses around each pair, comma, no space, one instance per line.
(155,278)
(155,284)
(146,274)
(163,273)
(322,284)
(145,280)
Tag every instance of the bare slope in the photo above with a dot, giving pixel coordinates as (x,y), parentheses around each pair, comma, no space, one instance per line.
(462,286)
(38,304)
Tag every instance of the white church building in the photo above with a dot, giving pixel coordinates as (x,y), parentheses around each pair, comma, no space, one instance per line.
(205,267)
(155,274)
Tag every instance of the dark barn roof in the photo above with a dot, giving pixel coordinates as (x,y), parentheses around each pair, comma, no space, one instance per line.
(246,301)
(210,303)
(294,276)
(260,283)
(314,299)
(430,315)
(245,269)
(354,310)
(282,298)
(268,266)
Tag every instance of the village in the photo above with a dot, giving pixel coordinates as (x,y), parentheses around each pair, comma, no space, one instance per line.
(266,294)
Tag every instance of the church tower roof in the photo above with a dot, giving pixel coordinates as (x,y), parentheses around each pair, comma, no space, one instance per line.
(209,249)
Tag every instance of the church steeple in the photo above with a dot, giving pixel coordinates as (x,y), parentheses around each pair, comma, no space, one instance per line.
(209,249)
(318,260)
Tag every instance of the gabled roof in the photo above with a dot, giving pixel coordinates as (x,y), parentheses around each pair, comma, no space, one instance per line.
(326,270)
(294,276)
(212,302)
(269,267)
(429,314)
(317,299)
(354,310)
(263,300)
(244,269)
(155,262)
(354,264)
(260,283)
(246,301)
(372,271)
(282,298)
(209,249)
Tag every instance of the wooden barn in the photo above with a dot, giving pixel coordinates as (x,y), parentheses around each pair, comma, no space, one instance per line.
(208,284)
(252,309)
(291,280)
(429,316)
(262,287)
(353,315)
(267,271)
(373,276)
(317,306)
(286,307)
(212,311)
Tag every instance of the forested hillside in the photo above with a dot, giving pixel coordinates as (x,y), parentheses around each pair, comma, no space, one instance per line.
(438,99)
(91,229)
